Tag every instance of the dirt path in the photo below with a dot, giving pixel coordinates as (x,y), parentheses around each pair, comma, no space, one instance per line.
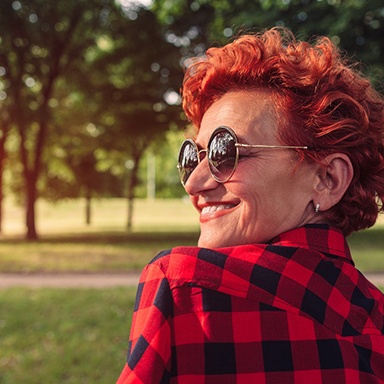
(96,280)
(69,280)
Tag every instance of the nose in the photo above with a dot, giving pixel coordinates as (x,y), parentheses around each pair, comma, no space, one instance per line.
(200,179)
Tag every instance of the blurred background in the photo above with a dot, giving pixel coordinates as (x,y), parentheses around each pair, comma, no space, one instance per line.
(90,126)
(89,89)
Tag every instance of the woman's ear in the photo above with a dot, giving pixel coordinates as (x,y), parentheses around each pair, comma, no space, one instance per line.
(334,177)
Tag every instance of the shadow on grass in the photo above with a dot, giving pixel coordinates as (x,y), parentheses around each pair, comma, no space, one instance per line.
(114,237)
(373,237)
(116,250)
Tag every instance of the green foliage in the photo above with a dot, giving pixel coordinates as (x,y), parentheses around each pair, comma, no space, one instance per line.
(367,249)
(85,84)
(76,77)
(356,26)
(164,160)
(66,336)
(41,44)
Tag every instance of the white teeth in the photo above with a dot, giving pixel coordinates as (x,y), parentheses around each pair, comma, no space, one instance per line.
(214,208)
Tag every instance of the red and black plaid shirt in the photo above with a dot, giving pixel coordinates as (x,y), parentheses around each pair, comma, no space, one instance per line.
(295,310)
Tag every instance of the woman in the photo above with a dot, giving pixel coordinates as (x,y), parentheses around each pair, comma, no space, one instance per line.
(287,160)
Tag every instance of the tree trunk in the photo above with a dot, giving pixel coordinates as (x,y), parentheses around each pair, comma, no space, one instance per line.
(88,200)
(1,187)
(1,202)
(30,209)
(130,214)
(5,128)
(131,196)
(3,154)
(31,173)
(132,184)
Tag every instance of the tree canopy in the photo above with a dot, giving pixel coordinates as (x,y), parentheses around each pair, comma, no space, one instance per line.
(88,86)
(355,26)
(75,70)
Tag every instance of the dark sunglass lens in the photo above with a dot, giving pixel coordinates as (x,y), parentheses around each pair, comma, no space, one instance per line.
(188,160)
(222,155)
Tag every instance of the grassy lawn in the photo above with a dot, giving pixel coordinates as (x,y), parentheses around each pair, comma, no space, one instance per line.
(119,251)
(78,335)
(107,215)
(63,336)
(96,252)
(67,244)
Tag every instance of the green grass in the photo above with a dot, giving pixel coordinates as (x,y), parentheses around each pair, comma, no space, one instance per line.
(90,252)
(63,336)
(78,336)
(119,251)
(107,215)
(67,244)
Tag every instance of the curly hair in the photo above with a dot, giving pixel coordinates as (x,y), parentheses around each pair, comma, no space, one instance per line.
(324,102)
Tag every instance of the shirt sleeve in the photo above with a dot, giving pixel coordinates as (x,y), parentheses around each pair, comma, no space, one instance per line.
(149,350)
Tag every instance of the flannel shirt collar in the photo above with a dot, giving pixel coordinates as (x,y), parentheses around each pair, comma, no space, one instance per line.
(321,238)
(307,271)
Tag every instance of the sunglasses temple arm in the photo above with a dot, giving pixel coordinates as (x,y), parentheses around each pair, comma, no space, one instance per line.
(270,146)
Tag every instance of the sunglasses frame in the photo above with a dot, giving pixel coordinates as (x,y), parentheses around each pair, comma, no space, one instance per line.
(237,145)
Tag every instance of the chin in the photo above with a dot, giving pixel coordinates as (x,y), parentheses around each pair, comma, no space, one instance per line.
(213,242)
(206,243)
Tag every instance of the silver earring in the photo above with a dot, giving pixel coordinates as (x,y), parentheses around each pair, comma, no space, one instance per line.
(317,208)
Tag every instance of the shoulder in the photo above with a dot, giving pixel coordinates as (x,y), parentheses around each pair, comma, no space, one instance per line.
(177,263)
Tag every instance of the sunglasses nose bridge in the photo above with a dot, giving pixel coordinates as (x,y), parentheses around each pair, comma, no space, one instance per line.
(202,154)
(201,178)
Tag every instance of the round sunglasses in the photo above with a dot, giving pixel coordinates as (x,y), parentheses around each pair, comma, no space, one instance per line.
(222,153)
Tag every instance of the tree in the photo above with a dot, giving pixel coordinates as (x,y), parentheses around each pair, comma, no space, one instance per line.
(131,79)
(356,26)
(5,126)
(41,42)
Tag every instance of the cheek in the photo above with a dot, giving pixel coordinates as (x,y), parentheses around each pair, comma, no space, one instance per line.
(252,206)
(265,197)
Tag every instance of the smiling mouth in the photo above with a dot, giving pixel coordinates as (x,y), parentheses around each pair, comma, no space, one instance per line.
(215,208)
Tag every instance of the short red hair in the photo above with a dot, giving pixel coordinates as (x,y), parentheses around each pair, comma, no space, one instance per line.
(323,102)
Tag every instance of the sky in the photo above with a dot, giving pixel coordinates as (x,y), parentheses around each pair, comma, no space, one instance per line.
(127,3)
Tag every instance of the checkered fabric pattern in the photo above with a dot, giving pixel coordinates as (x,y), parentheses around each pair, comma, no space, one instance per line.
(295,310)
